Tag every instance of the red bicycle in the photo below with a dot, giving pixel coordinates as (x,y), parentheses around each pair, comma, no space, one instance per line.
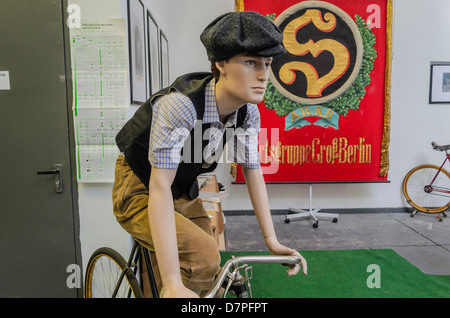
(427,187)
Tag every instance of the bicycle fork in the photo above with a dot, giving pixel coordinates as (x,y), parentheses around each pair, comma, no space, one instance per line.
(237,284)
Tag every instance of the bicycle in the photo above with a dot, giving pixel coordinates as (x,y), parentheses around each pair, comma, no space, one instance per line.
(427,186)
(108,275)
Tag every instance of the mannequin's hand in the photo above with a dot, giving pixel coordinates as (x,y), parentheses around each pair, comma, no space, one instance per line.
(182,292)
(176,289)
(276,248)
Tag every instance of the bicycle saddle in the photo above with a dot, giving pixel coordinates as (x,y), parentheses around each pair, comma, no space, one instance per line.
(439,147)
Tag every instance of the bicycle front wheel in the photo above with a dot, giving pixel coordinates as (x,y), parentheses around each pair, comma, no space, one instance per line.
(108,276)
(423,193)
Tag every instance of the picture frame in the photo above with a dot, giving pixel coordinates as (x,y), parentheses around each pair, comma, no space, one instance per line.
(137,57)
(164,46)
(439,83)
(153,54)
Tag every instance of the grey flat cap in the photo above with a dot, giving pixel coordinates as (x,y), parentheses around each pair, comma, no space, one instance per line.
(241,32)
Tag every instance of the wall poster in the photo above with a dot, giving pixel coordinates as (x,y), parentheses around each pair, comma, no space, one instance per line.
(326,112)
(100,101)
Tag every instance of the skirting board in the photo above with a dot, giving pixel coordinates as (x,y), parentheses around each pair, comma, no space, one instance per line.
(339,211)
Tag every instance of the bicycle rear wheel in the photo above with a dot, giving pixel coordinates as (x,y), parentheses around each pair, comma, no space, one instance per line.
(108,276)
(423,196)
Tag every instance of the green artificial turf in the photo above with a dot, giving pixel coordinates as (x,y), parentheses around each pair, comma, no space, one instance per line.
(366,273)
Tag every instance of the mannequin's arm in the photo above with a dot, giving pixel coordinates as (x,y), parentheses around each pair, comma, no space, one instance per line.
(258,196)
(162,226)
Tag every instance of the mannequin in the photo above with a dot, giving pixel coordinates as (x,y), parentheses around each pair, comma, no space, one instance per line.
(240,46)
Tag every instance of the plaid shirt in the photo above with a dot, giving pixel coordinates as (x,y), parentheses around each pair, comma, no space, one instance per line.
(174,116)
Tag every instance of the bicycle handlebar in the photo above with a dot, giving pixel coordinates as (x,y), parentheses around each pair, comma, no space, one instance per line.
(234,261)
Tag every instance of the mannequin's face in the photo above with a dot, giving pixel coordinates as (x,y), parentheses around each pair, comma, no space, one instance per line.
(244,77)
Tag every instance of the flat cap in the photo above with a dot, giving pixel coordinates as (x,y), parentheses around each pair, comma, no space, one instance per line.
(241,32)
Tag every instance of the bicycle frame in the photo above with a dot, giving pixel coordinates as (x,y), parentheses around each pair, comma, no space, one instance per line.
(429,188)
(137,252)
(229,277)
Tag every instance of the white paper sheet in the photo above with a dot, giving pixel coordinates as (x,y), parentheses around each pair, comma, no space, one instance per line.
(100,105)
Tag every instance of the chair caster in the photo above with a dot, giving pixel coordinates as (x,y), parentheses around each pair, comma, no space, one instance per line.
(287,221)
(316,225)
(335,220)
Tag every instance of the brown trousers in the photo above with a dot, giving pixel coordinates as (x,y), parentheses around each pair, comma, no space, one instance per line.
(198,252)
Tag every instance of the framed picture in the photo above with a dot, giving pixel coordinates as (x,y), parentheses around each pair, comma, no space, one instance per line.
(136,34)
(439,82)
(153,54)
(164,44)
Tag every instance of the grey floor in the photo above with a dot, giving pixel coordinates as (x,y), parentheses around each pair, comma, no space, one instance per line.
(422,240)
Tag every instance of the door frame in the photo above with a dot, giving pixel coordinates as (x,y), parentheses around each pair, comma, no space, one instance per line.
(72,146)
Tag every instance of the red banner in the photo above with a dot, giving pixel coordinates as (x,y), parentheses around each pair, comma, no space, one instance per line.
(325,116)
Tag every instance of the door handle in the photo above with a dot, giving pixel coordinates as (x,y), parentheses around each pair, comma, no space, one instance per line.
(57,172)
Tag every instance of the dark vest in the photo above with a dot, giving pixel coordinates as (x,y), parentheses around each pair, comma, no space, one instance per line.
(133,138)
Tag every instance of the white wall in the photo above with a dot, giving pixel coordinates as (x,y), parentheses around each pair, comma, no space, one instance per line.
(421,33)
(189,19)
(98,226)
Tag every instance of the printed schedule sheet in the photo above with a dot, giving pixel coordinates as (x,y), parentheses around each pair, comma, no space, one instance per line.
(100,86)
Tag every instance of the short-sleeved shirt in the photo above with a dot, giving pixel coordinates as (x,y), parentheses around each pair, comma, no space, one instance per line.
(174,116)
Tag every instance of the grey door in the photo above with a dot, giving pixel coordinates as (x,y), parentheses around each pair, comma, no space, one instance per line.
(38,225)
